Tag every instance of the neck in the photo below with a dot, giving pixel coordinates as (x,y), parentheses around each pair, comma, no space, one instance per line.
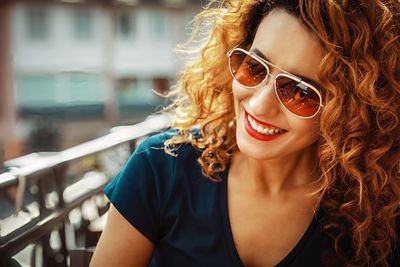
(274,176)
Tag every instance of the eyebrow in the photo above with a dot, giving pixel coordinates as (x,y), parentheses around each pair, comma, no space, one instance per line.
(303,78)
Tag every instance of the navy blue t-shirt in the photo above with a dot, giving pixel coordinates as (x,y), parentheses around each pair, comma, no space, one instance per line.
(185,215)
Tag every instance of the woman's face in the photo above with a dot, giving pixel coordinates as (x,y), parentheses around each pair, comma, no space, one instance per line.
(286,43)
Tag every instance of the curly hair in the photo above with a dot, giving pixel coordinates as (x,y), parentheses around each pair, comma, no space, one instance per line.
(358,146)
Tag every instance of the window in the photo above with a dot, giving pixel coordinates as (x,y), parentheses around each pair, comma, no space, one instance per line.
(127,92)
(124,25)
(131,92)
(78,88)
(55,90)
(83,25)
(35,90)
(159,23)
(37,23)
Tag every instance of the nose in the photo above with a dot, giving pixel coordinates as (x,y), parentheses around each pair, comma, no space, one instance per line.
(263,101)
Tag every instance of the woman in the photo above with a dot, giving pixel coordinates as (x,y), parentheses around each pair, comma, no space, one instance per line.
(295,161)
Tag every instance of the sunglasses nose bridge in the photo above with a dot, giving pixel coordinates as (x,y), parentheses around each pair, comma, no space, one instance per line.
(266,89)
(269,79)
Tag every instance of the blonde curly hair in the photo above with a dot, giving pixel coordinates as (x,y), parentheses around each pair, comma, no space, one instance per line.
(358,147)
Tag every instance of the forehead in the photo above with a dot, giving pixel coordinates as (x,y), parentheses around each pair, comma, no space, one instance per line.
(287,43)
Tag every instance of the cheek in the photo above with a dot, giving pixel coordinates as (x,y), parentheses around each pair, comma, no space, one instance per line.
(305,129)
(239,93)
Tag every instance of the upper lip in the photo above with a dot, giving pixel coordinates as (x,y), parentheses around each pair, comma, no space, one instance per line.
(262,123)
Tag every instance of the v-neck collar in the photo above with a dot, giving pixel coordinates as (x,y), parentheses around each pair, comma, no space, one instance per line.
(289,258)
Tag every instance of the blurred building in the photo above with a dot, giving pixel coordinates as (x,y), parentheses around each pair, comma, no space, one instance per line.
(79,67)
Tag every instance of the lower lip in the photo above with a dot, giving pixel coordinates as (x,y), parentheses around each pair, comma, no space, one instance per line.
(257,135)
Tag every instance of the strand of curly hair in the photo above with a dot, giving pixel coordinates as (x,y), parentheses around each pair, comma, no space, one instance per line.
(359,153)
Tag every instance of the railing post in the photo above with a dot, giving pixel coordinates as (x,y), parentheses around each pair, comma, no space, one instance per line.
(59,173)
(59,178)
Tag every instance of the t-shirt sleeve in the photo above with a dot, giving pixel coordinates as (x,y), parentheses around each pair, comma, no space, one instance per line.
(133,192)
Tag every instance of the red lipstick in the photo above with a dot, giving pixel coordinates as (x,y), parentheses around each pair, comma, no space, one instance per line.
(259,136)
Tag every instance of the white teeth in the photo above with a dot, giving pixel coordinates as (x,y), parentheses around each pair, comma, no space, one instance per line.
(261,129)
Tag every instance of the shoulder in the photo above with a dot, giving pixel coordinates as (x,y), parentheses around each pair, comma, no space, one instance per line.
(151,166)
(158,139)
(157,142)
(152,149)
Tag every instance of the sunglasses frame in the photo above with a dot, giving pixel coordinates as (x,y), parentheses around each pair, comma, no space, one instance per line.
(284,73)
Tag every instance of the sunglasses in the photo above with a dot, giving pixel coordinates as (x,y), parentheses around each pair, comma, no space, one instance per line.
(298,97)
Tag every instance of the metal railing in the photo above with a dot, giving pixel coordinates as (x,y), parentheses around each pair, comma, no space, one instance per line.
(52,203)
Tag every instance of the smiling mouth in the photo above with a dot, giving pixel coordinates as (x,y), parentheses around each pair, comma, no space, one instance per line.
(261,130)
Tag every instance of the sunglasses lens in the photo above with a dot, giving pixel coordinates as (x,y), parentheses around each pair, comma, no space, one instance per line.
(247,70)
(297,97)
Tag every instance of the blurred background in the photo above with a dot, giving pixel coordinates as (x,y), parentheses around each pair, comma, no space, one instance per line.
(72,69)
(77,83)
